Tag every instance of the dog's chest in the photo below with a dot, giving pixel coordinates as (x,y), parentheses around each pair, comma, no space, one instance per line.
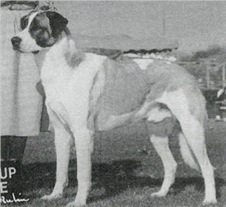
(55,76)
(68,89)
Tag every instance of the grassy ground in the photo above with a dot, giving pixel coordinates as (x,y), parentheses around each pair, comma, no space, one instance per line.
(126,170)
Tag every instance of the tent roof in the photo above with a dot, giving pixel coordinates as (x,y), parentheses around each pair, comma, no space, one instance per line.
(123,42)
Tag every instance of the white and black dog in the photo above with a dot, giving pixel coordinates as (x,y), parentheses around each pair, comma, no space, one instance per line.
(86,92)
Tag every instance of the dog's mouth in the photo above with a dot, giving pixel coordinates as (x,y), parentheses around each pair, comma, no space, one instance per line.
(35,52)
(19,50)
(16,48)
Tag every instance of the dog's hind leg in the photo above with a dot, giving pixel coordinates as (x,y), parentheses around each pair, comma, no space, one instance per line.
(63,142)
(193,131)
(169,164)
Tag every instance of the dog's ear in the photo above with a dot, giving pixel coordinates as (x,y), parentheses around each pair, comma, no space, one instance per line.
(57,22)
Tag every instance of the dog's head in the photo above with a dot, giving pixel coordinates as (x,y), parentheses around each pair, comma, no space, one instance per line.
(38,30)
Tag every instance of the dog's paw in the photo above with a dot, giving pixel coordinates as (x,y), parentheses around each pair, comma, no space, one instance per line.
(159,194)
(209,202)
(75,204)
(52,196)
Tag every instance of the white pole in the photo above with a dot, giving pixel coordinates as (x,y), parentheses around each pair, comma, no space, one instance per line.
(223,75)
(207,77)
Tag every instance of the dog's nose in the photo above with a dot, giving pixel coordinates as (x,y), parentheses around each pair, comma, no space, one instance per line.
(16,41)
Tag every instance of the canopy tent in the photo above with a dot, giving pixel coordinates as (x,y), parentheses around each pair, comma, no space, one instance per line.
(123,42)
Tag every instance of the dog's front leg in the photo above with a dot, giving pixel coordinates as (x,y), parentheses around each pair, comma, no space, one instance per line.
(63,142)
(84,149)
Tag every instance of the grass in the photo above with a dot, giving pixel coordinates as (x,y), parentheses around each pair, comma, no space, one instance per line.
(126,170)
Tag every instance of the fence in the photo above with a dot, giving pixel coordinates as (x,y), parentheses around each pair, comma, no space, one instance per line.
(210,75)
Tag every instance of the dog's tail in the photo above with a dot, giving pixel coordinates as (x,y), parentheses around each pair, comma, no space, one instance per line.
(186,153)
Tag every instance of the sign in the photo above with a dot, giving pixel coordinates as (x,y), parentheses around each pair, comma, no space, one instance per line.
(11,183)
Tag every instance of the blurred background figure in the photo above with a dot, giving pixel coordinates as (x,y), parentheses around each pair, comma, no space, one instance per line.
(221,105)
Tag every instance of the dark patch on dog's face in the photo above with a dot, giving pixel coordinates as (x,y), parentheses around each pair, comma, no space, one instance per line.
(24,22)
(46,28)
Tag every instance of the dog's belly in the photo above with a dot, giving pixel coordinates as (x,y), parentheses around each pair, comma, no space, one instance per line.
(155,115)
(159,123)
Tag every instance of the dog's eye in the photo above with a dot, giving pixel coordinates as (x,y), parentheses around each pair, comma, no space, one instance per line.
(23,22)
(41,34)
(39,31)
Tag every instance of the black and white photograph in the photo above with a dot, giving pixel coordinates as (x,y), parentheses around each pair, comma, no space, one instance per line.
(113,103)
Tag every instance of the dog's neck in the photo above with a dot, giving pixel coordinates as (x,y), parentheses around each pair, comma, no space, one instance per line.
(58,62)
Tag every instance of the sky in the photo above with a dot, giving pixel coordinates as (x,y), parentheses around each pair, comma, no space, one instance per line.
(195,25)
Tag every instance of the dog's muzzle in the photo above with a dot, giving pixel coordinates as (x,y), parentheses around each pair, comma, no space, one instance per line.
(16,42)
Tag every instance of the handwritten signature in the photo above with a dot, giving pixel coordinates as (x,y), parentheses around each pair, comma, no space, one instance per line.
(14,199)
